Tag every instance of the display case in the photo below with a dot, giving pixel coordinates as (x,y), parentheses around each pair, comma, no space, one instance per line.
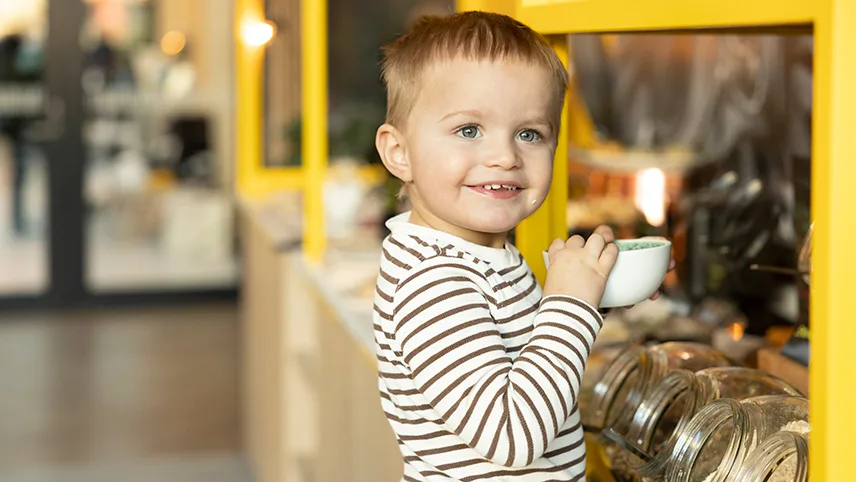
(832,25)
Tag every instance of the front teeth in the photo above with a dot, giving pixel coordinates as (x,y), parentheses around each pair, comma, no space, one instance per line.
(490,187)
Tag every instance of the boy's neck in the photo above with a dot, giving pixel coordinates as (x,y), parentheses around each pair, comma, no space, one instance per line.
(420,217)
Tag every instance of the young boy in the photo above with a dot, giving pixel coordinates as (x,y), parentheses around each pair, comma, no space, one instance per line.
(479,370)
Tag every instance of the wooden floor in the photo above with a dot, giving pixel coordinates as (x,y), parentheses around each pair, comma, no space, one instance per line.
(113,387)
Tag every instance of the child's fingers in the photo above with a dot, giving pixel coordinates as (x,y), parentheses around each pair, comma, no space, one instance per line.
(576,241)
(555,246)
(595,245)
(606,232)
(609,255)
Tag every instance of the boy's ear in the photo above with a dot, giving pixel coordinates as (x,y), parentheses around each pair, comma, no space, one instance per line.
(393,152)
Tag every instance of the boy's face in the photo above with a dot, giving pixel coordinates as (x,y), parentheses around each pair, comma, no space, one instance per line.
(479,147)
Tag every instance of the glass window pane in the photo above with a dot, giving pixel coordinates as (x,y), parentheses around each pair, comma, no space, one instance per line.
(357,102)
(23,167)
(282,86)
(158,81)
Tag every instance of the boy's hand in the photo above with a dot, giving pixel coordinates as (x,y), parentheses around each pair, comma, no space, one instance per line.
(579,268)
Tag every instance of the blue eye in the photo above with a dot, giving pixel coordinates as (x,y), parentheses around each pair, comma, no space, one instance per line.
(469,132)
(529,135)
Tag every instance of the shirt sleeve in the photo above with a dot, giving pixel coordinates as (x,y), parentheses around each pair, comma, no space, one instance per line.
(509,412)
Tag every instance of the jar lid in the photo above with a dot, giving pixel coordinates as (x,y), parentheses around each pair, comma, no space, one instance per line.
(670,394)
(632,374)
(783,457)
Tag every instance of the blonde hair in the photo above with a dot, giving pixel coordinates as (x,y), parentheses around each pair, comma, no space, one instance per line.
(477,36)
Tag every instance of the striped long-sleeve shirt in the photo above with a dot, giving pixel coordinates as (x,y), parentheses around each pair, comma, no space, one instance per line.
(478,374)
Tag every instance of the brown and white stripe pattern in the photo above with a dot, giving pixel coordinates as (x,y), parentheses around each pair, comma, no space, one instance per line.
(478,375)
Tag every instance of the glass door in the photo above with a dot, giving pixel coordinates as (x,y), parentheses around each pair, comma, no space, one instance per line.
(157,84)
(24,233)
(115,143)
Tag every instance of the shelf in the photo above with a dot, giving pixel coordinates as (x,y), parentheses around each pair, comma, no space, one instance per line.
(113,102)
(21,100)
(583,16)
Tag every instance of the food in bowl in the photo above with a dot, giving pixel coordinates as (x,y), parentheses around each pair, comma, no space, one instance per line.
(639,271)
(637,244)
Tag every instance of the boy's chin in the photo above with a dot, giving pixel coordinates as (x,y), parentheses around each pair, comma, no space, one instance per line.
(500,227)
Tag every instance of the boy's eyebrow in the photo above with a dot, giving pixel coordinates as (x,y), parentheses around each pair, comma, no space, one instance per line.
(539,121)
(466,112)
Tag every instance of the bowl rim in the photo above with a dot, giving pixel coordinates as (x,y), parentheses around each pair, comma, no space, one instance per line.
(665,242)
(662,241)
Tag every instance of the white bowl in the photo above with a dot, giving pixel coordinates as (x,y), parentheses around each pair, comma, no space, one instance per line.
(637,274)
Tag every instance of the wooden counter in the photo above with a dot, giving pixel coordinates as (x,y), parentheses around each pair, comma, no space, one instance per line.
(311,405)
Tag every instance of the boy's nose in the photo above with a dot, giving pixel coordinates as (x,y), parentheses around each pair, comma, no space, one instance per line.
(503,156)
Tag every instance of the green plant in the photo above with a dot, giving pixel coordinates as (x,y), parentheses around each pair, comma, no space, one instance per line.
(352,134)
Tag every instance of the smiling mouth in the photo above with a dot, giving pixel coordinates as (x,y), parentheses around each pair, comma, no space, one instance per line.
(497,187)
(498,191)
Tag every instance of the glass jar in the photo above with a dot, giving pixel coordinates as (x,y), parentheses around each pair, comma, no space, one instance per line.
(599,360)
(682,393)
(781,458)
(634,372)
(713,446)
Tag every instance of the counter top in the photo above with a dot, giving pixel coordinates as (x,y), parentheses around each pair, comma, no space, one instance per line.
(346,280)
(278,218)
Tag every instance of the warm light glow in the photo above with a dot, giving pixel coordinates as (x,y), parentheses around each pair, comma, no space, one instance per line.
(735,331)
(110,21)
(22,17)
(256,34)
(173,42)
(651,195)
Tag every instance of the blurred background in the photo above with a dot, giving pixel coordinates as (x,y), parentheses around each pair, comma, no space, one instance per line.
(120,259)
(158,321)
